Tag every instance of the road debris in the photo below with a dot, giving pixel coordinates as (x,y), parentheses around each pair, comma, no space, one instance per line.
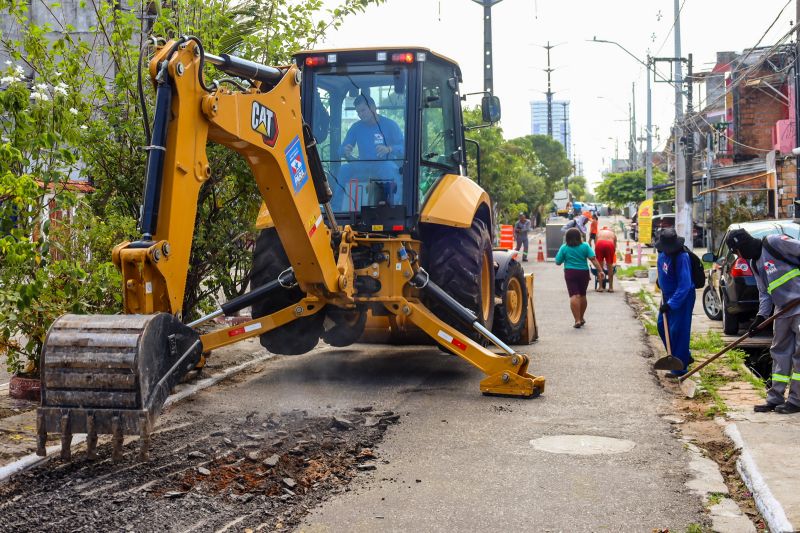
(268,468)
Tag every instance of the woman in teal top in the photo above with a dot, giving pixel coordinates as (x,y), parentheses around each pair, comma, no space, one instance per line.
(573,255)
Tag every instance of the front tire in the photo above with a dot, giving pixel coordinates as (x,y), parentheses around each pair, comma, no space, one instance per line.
(459,260)
(296,337)
(511,314)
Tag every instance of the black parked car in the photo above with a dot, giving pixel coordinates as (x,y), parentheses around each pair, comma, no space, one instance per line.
(731,294)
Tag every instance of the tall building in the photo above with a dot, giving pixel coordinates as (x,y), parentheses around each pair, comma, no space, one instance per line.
(561,130)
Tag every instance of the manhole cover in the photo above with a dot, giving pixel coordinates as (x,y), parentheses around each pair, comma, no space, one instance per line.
(582,444)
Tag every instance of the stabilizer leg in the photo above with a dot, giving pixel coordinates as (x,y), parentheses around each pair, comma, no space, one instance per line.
(507,374)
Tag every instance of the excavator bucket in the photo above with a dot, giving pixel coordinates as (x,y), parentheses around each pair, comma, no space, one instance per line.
(111,374)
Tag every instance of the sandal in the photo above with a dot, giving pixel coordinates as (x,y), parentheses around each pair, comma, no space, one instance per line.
(582,322)
(577,325)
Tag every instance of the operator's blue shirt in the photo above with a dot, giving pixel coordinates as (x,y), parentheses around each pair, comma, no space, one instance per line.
(675,279)
(367,137)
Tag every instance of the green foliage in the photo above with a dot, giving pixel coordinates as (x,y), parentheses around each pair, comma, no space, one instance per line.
(577,186)
(511,171)
(738,208)
(622,188)
(627,272)
(556,165)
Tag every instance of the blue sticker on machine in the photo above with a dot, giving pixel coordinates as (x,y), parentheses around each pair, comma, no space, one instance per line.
(297,164)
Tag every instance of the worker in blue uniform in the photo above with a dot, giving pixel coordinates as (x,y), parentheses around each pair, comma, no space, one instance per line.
(677,287)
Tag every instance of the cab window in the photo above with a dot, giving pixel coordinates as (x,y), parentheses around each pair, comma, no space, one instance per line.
(439,148)
(359,117)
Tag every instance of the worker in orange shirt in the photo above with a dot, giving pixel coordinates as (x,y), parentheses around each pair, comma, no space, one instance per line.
(593,228)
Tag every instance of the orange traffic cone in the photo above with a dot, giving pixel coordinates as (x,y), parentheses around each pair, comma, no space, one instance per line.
(540,253)
(628,253)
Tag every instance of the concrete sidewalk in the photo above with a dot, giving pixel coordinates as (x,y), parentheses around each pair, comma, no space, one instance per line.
(768,462)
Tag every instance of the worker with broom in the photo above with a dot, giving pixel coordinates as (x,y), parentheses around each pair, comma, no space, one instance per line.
(677,287)
(774,261)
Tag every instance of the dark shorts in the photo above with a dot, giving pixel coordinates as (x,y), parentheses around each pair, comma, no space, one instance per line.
(577,281)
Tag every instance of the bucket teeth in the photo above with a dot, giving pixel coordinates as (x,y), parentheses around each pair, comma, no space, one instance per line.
(116,439)
(110,374)
(66,438)
(41,435)
(144,439)
(91,438)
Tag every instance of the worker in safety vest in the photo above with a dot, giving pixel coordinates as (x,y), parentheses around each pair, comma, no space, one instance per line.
(775,266)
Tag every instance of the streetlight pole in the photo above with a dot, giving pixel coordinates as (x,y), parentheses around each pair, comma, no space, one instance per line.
(648,164)
(683,211)
(488,75)
(649,155)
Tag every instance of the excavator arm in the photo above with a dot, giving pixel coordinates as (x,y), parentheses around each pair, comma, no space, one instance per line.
(265,126)
(112,374)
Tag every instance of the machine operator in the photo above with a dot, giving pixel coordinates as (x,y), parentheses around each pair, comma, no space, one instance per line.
(379,143)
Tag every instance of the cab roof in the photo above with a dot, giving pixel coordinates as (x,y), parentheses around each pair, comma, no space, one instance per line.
(354,51)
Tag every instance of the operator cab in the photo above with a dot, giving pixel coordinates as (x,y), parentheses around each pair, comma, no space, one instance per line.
(382,157)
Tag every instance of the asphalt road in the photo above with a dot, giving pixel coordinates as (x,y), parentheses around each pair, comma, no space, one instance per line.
(456,460)
(459,461)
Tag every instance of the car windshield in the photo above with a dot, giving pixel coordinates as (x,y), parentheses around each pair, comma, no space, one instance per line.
(359,119)
(791,230)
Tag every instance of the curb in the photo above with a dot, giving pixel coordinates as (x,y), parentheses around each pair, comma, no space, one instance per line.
(32,460)
(767,505)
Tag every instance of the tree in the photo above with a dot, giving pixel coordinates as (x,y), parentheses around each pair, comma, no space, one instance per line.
(577,186)
(555,164)
(510,171)
(623,188)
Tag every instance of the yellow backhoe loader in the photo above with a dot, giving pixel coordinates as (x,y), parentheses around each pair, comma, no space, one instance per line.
(369,225)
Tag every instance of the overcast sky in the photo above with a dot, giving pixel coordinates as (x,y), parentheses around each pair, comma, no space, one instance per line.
(596,78)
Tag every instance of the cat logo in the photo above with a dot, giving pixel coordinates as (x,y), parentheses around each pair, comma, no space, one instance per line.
(262,119)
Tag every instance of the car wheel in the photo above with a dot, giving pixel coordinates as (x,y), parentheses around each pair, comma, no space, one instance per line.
(711,304)
(730,323)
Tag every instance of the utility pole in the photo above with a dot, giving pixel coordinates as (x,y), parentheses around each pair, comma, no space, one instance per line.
(549,94)
(796,111)
(566,141)
(634,154)
(631,141)
(488,75)
(689,145)
(649,156)
(683,214)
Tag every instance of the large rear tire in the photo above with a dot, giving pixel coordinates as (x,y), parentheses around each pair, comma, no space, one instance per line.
(510,315)
(459,260)
(294,338)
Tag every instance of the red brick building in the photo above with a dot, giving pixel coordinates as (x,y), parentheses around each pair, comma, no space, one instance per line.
(746,133)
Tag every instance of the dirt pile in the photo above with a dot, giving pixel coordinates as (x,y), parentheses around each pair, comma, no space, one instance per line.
(259,472)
